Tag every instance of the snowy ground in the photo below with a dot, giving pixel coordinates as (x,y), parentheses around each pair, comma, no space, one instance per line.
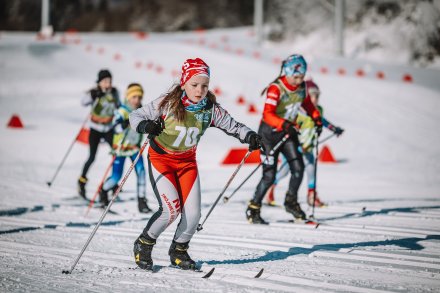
(380,232)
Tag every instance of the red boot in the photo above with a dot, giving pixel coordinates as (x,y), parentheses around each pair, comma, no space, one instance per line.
(270,197)
(318,203)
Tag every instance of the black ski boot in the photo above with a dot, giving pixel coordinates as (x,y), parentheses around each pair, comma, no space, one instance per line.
(82,187)
(143,246)
(114,188)
(143,206)
(292,206)
(179,256)
(253,213)
(103,198)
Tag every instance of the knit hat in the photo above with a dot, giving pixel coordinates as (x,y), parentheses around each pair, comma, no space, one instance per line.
(294,65)
(193,67)
(312,88)
(134,89)
(103,73)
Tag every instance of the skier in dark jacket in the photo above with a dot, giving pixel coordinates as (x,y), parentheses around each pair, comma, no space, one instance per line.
(104,100)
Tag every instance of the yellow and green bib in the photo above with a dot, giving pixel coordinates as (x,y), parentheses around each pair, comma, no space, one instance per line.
(180,136)
(290,101)
(103,110)
(307,130)
(131,139)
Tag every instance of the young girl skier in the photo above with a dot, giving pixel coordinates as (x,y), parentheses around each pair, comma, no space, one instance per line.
(185,112)
(285,95)
(306,138)
(126,142)
(104,100)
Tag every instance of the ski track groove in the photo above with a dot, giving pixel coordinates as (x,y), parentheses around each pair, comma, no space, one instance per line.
(234,276)
(342,255)
(363,229)
(203,238)
(366,229)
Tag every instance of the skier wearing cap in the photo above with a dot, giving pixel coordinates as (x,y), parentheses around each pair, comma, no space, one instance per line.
(126,143)
(286,95)
(176,121)
(104,100)
(306,138)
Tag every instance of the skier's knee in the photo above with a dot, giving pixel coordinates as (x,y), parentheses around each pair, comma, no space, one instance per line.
(169,215)
(269,177)
(296,167)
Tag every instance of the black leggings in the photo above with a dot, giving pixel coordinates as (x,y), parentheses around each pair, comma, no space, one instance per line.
(294,158)
(94,139)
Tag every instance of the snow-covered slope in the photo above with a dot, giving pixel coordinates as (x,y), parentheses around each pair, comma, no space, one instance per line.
(379,233)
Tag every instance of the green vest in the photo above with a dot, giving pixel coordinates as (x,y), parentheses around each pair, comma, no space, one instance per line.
(290,101)
(105,107)
(132,139)
(307,130)
(180,136)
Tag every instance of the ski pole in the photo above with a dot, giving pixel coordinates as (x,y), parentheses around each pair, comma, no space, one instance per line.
(312,216)
(272,151)
(108,207)
(327,138)
(92,201)
(200,226)
(49,183)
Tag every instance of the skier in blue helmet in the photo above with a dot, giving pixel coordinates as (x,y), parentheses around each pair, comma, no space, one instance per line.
(285,96)
(294,65)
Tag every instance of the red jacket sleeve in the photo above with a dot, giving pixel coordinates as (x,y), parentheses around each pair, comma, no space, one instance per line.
(270,107)
(311,110)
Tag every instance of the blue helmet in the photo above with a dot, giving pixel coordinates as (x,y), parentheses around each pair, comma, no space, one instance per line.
(295,64)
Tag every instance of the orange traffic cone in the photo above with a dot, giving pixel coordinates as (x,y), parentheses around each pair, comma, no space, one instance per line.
(241,100)
(15,122)
(252,109)
(326,155)
(83,136)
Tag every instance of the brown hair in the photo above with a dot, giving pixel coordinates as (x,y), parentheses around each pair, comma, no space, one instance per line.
(173,103)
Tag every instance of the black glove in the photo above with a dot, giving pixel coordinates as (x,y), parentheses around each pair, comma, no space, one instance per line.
(318,128)
(254,141)
(125,124)
(153,127)
(338,130)
(289,128)
(96,93)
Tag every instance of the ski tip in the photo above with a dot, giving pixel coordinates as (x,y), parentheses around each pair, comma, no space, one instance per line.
(259,274)
(208,274)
